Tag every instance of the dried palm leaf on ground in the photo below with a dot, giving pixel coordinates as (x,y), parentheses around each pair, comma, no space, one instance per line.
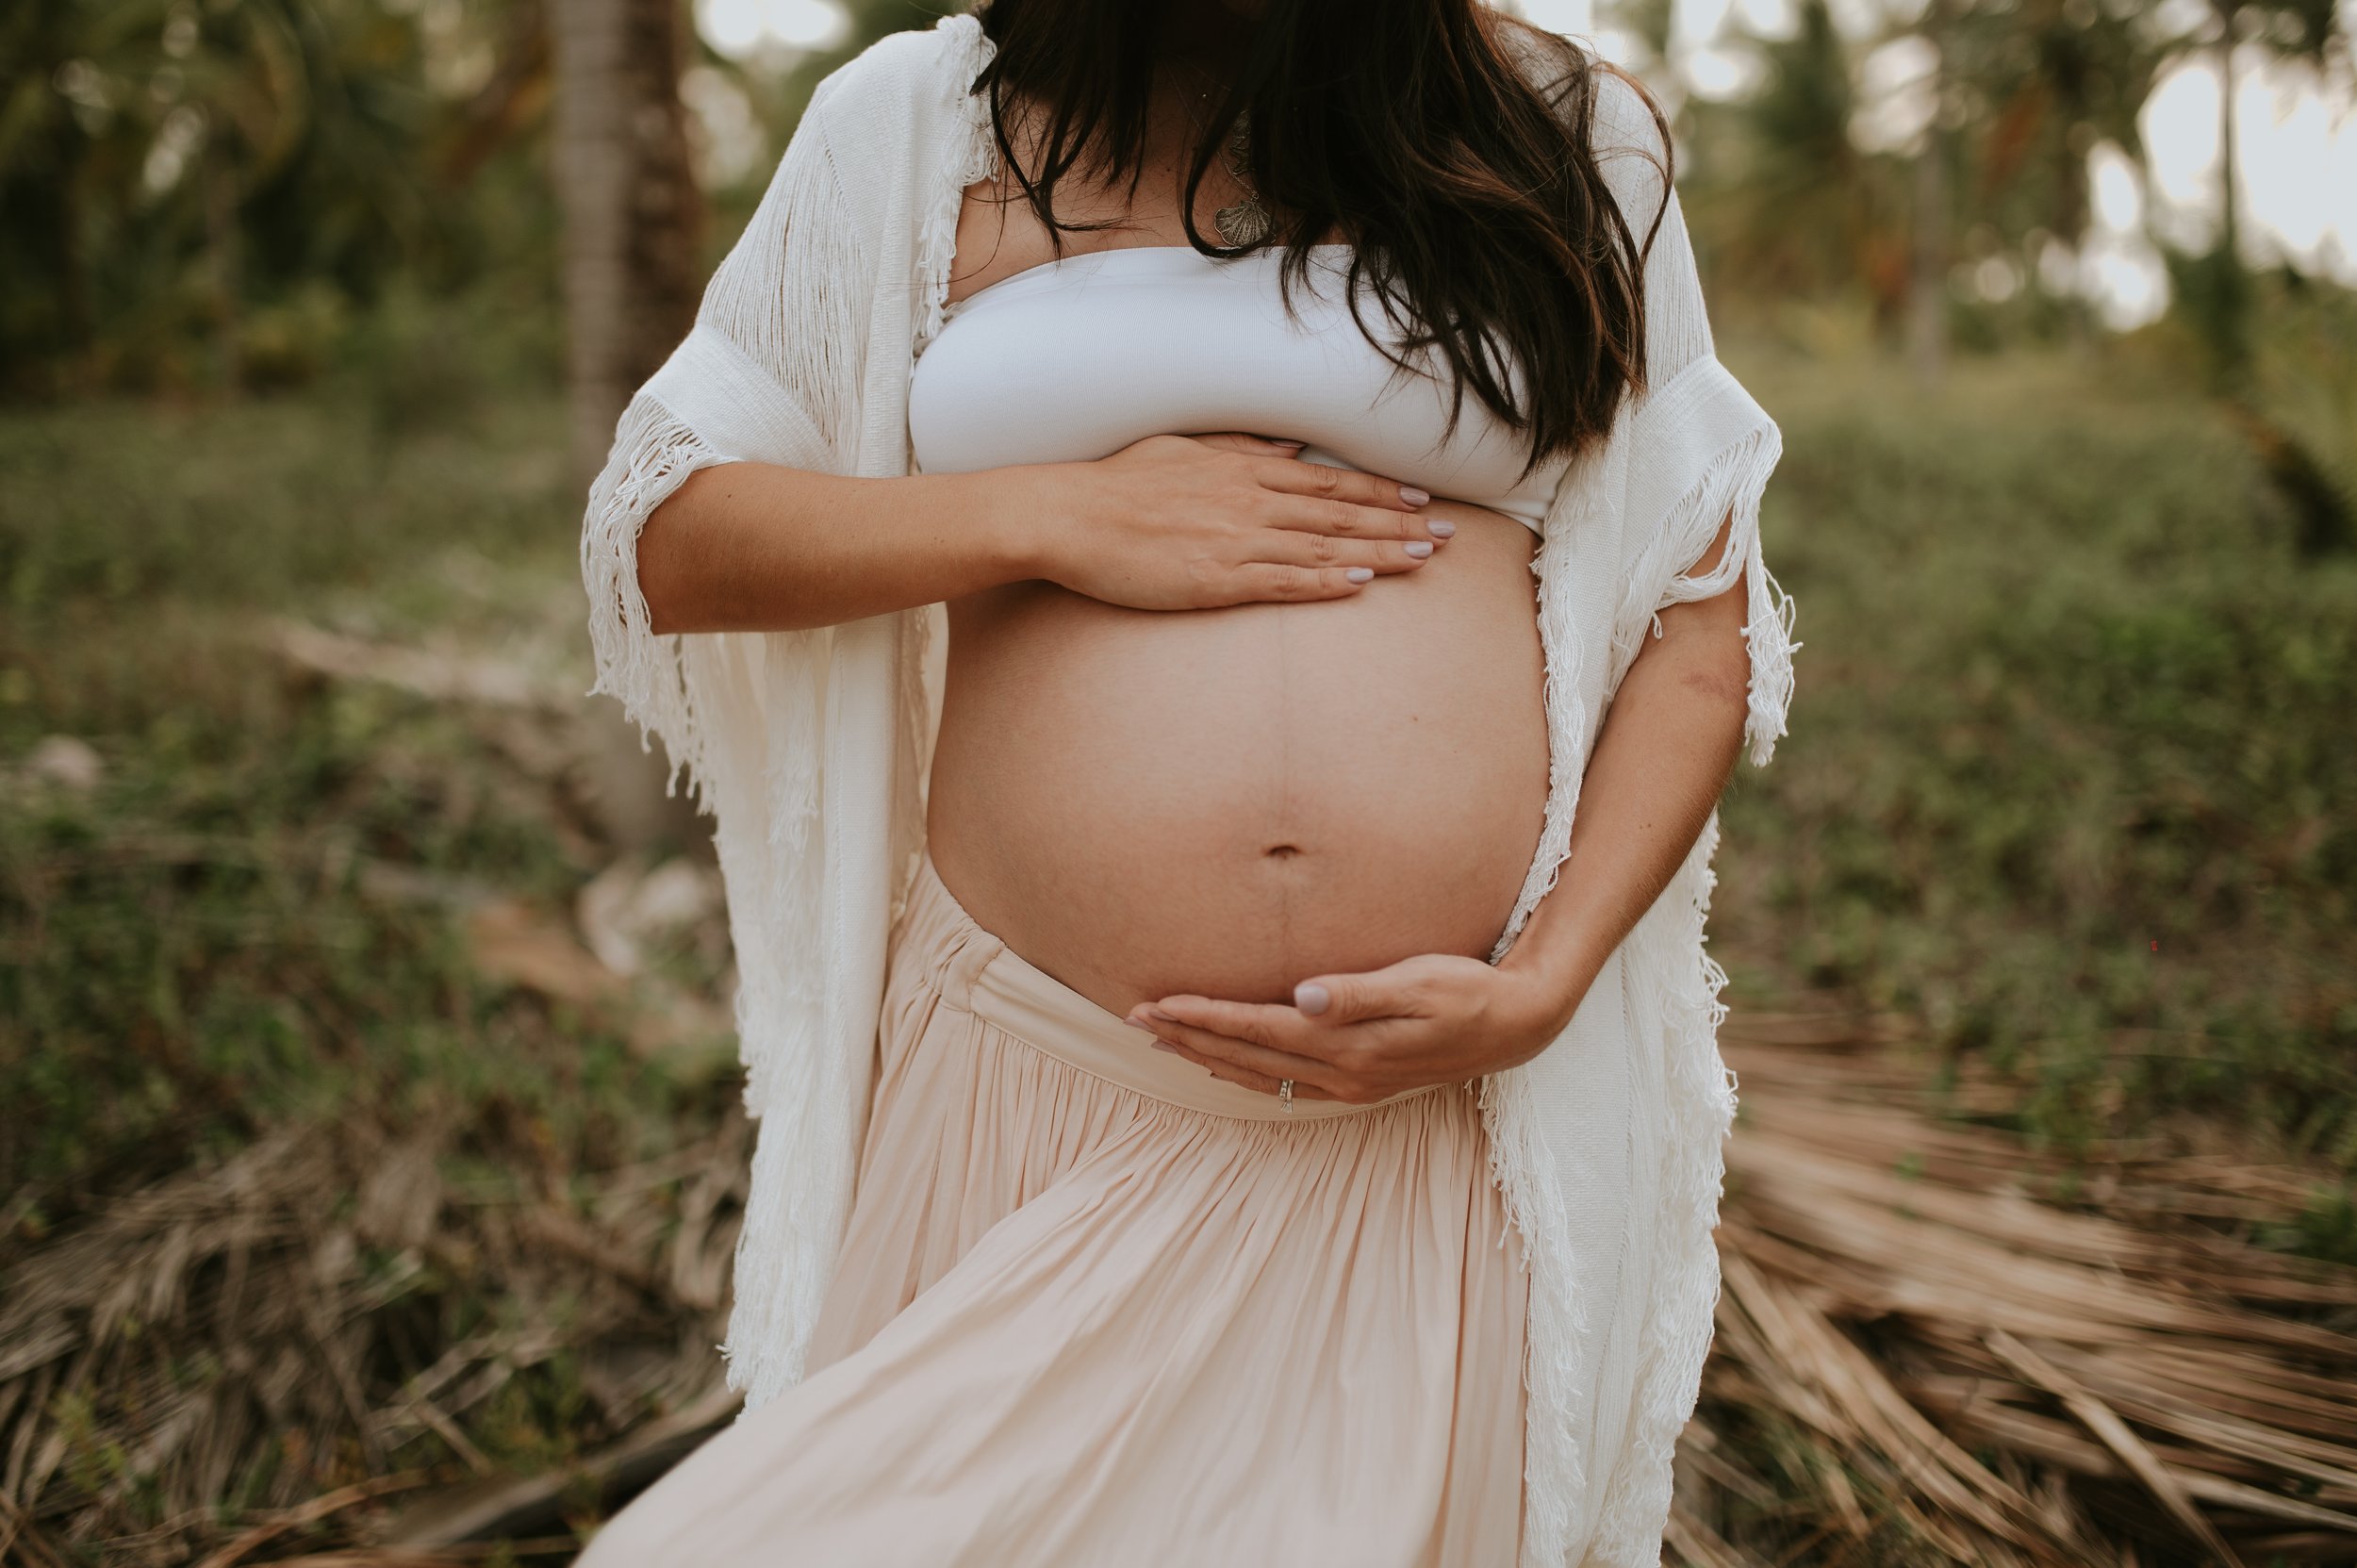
(1934,1346)
(236,1362)
(2012,1358)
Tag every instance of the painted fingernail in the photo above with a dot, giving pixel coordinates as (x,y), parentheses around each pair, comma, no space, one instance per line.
(1413,496)
(1361,575)
(1417,549)
(1310,997)
(1158,1015)
(1440,528)
(1287,440)
(1164,1045)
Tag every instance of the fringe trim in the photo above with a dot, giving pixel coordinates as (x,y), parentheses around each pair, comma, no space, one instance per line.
(653,456)
(1732,484)
(1682,1010)
(974,157)
(1557,565)
(1522,1163)
(811,331)
(1522,1168)
(1768,630)
(1670,969)
(741,716)
(746,715)
(794,290)
(778,686)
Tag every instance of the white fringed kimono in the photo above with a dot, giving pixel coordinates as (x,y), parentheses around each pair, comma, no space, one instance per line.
(810,749)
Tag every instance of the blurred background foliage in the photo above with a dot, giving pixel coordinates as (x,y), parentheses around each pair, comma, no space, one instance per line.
(303,823)
(2077,600)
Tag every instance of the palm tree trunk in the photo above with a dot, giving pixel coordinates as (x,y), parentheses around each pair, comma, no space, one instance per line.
(632,214)
(223,251)
(632,220)
(1927,285)
(2069,217)
(2229,15)
(2230,282)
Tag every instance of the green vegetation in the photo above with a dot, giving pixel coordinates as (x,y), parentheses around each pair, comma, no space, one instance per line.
(2068,770)
(226,930)
(295,1163)
(2066,778)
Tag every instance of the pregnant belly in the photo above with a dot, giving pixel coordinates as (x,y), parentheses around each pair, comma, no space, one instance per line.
(1227,801)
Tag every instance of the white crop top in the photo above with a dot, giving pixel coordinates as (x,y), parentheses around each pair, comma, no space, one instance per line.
(1075,359)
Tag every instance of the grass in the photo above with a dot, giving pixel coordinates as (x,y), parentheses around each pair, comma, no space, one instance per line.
(2065,783)
(261,1086)
(2067,776)
(199,947)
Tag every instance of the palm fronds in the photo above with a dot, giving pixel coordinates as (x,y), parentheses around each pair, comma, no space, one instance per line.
(2010,1359)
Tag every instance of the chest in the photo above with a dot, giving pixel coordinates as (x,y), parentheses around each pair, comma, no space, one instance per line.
(1071,360)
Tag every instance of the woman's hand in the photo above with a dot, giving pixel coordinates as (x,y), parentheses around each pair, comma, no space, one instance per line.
(1194,522)
(1439,1018)
(1668,744)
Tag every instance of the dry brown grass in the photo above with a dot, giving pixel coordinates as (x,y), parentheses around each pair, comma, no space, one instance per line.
(1936,1347)
(1933,1347)
(323,1308)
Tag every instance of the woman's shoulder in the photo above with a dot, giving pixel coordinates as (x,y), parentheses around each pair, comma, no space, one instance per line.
(879,125)
(1629,137)
(912,70)
(1626,132)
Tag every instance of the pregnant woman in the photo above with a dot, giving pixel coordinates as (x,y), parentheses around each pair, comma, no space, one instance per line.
(1203,562)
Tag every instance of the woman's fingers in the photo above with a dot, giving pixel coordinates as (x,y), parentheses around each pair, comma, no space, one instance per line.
(1256,446)
(1262,582)
(1279,529)
(1270,1024)
(1348,521)
(1258,1082)
(1241,1061)
(1299,548)
(1401,990)
(1325,481)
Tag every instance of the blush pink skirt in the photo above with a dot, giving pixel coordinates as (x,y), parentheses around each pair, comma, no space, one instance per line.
(1096,1306)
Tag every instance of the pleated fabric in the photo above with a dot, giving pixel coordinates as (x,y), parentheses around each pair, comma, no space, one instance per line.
(1095,1305)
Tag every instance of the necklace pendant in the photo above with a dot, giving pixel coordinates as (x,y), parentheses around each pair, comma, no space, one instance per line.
(1246,222)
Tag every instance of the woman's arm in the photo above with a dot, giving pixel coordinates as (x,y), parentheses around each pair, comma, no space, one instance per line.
(753,547)
(1170,523)
(1667,747)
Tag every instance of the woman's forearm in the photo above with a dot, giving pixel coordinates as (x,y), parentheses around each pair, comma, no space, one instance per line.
(756,546)
(1668,745)
(1168,522)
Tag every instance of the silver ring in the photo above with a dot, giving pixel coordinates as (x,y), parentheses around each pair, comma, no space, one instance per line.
(1285,1095)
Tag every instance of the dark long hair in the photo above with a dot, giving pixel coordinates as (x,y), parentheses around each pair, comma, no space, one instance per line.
(1464,179)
